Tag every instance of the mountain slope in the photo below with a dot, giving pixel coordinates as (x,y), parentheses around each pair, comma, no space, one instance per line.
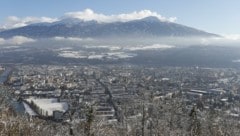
(147,27)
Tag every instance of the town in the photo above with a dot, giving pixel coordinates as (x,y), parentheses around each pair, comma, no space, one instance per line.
(115,94)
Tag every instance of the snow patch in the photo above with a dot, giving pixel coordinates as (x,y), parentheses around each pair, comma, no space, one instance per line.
(29,110)
(48,106)
(150,47)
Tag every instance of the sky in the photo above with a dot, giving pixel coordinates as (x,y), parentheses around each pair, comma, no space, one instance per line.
(216,16)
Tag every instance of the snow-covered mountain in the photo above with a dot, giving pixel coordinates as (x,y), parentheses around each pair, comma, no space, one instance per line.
(72,27)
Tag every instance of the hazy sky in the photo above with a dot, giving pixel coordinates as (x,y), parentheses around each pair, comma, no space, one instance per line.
(217,16)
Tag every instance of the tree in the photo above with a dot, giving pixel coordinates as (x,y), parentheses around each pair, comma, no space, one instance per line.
(143,119)
(195,126)
(89,121)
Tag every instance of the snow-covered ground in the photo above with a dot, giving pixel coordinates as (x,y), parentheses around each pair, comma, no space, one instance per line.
(94,55)
(150,47)
(29,110)
(121,55)
(114,52)
(72,54)
(110,47)
(49,105)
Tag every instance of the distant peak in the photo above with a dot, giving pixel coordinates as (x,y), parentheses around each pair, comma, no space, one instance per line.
(151,19)
(74,21)
(70,20)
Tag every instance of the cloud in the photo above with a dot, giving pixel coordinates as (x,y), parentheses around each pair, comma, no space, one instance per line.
(67,38)
(226,40)
(150,47)
(2,41)
(14,22)
(16,40)
(20,40)
(232,36)
(58,38)
(89,14)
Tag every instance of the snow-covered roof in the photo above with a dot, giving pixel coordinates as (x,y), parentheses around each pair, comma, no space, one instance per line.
(49,105)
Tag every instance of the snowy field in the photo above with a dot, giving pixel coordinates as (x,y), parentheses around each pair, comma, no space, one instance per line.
(47,106)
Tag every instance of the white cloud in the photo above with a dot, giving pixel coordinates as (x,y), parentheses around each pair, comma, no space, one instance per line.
(14,22)
(20,40)
(58,38)
(89,14)
(2,41)
(232,36)
(172,19)
(86,15)
(226,40)
(150,47)
(16,40)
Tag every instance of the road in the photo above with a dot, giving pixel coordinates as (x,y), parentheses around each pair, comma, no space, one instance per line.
(8,98)
(4,75)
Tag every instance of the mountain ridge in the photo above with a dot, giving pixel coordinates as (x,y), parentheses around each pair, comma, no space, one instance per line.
(72,27)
